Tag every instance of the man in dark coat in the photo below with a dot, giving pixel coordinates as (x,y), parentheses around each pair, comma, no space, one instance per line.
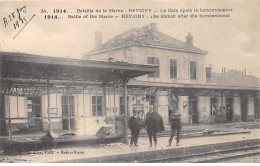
(135,126)
(176,125)
(154,124)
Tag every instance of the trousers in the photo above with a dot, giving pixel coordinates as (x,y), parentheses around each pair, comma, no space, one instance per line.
(134,137)
(173,131)
(152,135)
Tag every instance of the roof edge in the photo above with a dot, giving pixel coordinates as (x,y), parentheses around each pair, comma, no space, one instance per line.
(166,48)
(185,85)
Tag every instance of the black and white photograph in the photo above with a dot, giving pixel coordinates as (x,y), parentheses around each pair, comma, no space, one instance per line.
(130,81)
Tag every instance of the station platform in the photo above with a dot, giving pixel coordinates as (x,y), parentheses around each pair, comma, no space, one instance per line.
(118,152)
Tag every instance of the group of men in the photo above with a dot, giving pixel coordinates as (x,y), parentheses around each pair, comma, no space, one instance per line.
(153,124)
(221,114)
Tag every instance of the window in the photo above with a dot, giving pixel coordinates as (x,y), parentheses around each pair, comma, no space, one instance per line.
(34,111)
(97,106)
(68,122)
(193,70)
(67,104)
(173,68)
(153,60)
(150,99)
(213,106)
(122,106)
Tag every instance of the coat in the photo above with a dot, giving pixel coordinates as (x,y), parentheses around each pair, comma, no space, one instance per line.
(135,123)
(154,122)
(175,121)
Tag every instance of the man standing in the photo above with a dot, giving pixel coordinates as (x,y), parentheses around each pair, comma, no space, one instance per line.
(154,124)
(176,125)
(135,126)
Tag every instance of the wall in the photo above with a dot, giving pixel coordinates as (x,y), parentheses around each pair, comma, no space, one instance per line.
(11,105)
(56,124)
(183,65)
(184,111)
(139,54)
(92,123)
(204,109)
(163,108)
(22,109)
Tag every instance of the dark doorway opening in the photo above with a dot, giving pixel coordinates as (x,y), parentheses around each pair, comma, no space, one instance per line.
(244,108)
(34,112)
(193,109)
(229,109)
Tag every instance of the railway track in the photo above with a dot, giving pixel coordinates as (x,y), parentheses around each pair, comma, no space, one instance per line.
(211,157)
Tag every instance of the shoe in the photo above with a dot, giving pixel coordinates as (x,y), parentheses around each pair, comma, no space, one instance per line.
(169,145)
(177,144)
(150,146)
(136,145)
(130,146)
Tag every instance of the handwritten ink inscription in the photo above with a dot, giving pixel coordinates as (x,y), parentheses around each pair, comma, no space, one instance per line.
(17,19)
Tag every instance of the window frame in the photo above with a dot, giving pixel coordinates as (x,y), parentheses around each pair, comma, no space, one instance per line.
(97,106)
(154,61)
(192,76)
(65,104)
(121,105)
(174,69)
(151,99)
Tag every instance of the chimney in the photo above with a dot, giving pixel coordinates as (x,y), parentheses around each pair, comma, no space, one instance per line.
(98,39)
(189,40)
(153,26)
(208,72)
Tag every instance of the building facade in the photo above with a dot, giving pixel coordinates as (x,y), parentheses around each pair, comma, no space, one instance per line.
(182,81)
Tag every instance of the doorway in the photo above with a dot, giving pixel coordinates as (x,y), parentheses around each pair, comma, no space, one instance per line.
(244,108)
(229,109)
(34,112)
(193,109)
(68,113)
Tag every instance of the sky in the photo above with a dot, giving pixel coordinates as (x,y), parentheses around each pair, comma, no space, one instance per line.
(232,42)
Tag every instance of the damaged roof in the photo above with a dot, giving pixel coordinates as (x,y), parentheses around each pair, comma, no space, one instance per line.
(239,80)
(146,37)
(217,81)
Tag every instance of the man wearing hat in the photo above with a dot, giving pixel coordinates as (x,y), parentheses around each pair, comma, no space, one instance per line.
(135,126)
(154,124)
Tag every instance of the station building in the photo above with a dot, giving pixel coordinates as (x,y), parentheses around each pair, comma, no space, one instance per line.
(133,70)
(182,80)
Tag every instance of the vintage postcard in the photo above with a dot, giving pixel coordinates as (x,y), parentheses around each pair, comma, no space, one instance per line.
(130,81)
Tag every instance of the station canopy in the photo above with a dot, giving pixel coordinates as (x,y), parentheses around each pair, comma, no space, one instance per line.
(29,75)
